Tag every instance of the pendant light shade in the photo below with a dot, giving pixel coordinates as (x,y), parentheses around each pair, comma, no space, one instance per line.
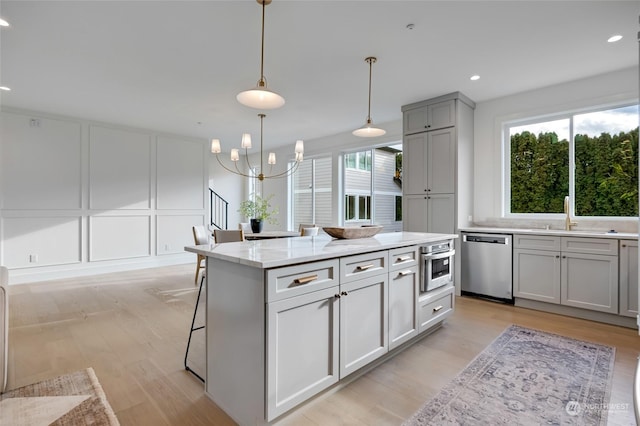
(369,130)
(260,97)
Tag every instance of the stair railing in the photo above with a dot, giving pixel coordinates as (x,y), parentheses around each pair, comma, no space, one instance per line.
(219,210)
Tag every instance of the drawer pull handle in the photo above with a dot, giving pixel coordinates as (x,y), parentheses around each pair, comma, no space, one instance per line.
(344,293)
(364,267)
(405,273)
(403,258)
(305,280)
(437,308)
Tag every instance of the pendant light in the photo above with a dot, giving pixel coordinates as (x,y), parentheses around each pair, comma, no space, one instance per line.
(369,130)
(260,97)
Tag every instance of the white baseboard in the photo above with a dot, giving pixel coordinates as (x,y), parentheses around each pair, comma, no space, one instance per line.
(45,273)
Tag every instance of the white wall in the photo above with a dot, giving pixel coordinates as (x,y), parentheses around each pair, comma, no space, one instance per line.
(604,89)
(81,197)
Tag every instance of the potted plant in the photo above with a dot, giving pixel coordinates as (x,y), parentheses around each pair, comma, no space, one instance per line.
(259,210)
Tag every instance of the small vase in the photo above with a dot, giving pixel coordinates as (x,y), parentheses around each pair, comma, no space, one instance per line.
(256,225)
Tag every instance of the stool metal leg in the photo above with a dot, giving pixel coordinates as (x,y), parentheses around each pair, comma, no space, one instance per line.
(193,321)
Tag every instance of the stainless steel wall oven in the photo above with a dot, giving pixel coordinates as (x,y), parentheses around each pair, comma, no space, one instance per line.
(436,265)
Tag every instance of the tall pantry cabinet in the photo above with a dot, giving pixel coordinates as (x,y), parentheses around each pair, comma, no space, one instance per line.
(437,165)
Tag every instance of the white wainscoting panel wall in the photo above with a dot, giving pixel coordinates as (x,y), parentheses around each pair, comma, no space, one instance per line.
(119,169)
(181,166)
(31,242)
(41,167)
(175,231)
(82,197)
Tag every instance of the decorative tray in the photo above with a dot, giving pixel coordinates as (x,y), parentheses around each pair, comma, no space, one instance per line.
(364,231)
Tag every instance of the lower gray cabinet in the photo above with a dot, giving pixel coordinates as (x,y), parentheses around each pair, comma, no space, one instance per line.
(628,278)
(364,320)
(536,275)
(589,281)
(302,348)
(403,307)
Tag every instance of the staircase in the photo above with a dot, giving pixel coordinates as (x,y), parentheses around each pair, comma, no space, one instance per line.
(219,210)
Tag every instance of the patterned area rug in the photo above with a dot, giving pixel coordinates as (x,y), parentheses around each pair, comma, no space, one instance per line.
(74,399)
(527,377)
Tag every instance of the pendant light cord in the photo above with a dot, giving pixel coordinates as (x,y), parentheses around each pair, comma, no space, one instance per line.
(369,110)
(262,46)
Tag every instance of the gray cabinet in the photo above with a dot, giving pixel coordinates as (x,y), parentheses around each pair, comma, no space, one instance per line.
(628,278)
(403,295)
(437,174)
(364,322)
(429,117)
(302,348)
(435,306)
(572,271)
(429,162)
(429,213)
(536,275)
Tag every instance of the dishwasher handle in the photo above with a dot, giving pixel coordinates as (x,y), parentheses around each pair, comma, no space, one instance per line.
(486,239)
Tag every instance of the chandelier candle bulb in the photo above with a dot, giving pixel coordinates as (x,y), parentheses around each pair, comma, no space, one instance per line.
(234,154)
(299,147)
(272,158)
(246,141)
(215,146)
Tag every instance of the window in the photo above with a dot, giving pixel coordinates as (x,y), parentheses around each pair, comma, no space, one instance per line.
(311,198)
(592,156)
(357,207)
(358,161)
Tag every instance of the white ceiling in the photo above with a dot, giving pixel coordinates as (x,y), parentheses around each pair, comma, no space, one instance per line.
(176,66)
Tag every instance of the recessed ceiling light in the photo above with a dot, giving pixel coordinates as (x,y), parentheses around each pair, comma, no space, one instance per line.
(614,38)
(474,77)
(5,88)
(3,23)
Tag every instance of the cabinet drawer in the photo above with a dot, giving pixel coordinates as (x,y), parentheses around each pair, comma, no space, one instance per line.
(536,242)
(295,280)
(435,309)
(404,257)
(363,265)
(607,246)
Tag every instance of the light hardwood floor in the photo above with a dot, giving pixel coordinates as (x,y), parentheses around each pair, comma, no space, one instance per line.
(132,328)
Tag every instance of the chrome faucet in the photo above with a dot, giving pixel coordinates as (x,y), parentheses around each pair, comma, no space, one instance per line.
(567,220)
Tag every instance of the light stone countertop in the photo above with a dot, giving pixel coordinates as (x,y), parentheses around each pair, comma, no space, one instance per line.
(277,252)
(554,232)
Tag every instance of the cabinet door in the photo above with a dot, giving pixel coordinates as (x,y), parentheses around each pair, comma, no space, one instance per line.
(629,278)
(589,281)
(302,348)
(441,115)
(364,322)
(414,213)
(440,213)
(430,117)
(403,305)
(536,275)
(415,120)
(414,164)
(441,161)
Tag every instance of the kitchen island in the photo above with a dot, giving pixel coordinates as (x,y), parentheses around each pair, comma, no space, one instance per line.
(289,318)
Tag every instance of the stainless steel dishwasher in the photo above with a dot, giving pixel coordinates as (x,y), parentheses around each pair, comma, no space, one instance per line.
(487,266)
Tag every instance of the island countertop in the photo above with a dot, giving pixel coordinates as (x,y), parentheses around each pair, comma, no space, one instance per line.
(278,252)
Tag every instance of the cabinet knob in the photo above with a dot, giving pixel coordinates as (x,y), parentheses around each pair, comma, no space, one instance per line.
(564,257)
(558,257)
(337,296)
(344,293)
(624,245)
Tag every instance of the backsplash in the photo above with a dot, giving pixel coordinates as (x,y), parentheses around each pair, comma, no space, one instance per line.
(619,225)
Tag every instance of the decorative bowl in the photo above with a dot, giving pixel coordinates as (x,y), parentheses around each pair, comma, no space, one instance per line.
(342,232)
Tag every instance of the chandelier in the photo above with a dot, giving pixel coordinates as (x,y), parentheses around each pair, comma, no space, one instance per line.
(260,97)
(368,130)
(271,159)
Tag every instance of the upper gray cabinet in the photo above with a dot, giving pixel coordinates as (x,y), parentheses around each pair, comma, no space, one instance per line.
(430,117)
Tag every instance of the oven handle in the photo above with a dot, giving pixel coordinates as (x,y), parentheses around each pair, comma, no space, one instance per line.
(435,256)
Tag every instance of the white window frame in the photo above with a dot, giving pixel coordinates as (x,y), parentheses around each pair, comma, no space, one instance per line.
(506,160)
